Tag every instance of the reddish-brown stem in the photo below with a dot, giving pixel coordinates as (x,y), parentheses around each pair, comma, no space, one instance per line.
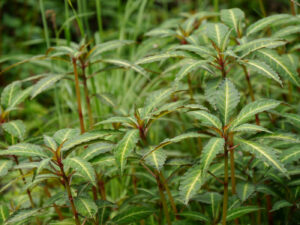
(225,195)
(101,186)
(293,8)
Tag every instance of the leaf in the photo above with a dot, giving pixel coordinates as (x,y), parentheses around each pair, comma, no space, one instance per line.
(45,84)
(103,160)
(86,207)
(25,149)
(107,46)
(160,57)
(19,97)
(50,142)
(227,99)
(280,64)
(290,155)
(233,18)
(81,166)
(15,128)
(216,32)
(21,215)
(5,165)
(118,119)
(199,50)
(283,137)
(125,147)
(65,134)
(191,183)
(9,92)
(207,119)
(265,22)
(287,31)
(195,216)
(244,190)
(246,127)
(263,69)
(156,159)
(211,149)
(264,153)
(42,165)
(4,213)
(253,108)
(240,211)
(161,32)
(107,99)
(292,118)
(94,150)
(280,204)
(133,214)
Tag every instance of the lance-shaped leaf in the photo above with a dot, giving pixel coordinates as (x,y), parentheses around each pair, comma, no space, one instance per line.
(65,134)
(199,50)
(156,159)
(4,213)
(50,142)
(107,46)
(25,149)
(9,92)
(21,215)
(240,211)
(45,84)
(15,128)
(287,31)
(86,207)
(280,64)
(132,214)
(211,149)
(125,147)
(263,69)
(250,128)
(44,163)
(290,155)
(253,108)
(95,149)
(292,118)
(216,32)
(283,137)
(160,57)
(119,119)
(5,165)
(233,18)
(161,32)
(264,153)
(207,119)
(281,204)
(191,183)
(244,190)
(195,216)
(81,166)
(103,160)
(265,22)
(20,97)
(227,99)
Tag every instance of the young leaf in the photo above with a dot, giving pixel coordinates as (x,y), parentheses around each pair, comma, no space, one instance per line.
(125,147)
(211,149)
(15,128)
(227,99)
(156,159)
(5,165)
(44,84)
(233,18)
(216,32)
(86,207)
(191,183)
(207,119)
(244,190)
(240,211)
(95,149)
(25,149)
(133,214)
(81,166)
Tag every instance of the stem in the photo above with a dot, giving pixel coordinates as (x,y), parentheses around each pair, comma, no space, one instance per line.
(60,216)
(99,19)
(232,164)
(225,195)
(293,8)
(78,95)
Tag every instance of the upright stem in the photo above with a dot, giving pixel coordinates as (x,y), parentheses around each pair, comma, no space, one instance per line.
(99,17)
(78,95)
(225,195)
(293,8)
(232,165)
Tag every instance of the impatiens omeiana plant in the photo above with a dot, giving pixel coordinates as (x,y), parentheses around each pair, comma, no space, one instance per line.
(207,131)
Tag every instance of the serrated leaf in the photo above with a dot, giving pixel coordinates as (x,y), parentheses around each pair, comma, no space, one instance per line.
(5,165)
(18,97)
(195,216)
(190,67)
(284,137)
(265,22)
(156,159)
(287,31)
(133,214)
(4,213)
(118,119)
(50,142)
(103,160)
(81,166)
(65,134)
(191,183)
(290,155)
(263,69)
(211,149)
(86,207)
(280,64)
(21,215)
(160,57)
(253,108)
(216,32)
(240,211)
(250,128)
(25,149)
(280,204)
(45,84)
(199,50)
(9,92)
(108,46)
(227,99)
(233,18)
(15,128)
(264,153)
(125,147)
(94,150)
(207,119)
(244,190)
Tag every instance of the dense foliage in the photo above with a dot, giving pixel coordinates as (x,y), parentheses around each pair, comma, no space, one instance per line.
(114,119)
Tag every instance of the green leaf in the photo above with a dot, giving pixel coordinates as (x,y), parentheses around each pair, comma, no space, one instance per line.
(216,32)
(125,147)
(107,99)
(253,108)
(103,160)
(211,149)
(264,153)
(265,22)
(244,190)
(45,84)
(290,155)
(292,118)
(195,216)
(160,57)
(108,46)
(94,150)
(9,92)
(246,127)
(233,18)
(42,165)
(15,128)
(156,159)
(161,32)
(118,119)
(199,50)
(21,215)
(50,142)
(280,64)
(86,207)
(4,213)
(81,166)
(263,69)
(5,165)
(287,31)
(25,149)
(227,99)
(191,183)
(65,134)
(240,211)
(280,204)
(19,98)
(133,214)
(207,119)
(283,137)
